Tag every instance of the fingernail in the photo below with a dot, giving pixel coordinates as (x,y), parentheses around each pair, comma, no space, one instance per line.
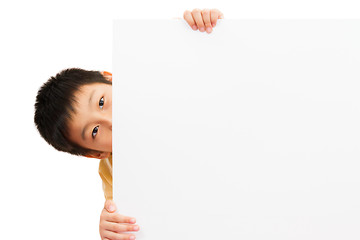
(111,208)
(194,27)
(213,25)
(132,220)
(132,237)
(208,29)
(202,29)
(136,228)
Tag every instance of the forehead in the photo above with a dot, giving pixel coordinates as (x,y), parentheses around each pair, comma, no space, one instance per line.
(83,97)
(83,94)
(85,90)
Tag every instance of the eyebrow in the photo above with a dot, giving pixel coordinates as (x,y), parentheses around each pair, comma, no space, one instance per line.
(83,134)
(83,131)
(91,95)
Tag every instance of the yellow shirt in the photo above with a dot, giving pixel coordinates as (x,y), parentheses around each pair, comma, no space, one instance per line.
(105,172)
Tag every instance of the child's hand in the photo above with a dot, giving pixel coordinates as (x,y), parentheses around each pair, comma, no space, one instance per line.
(203,19)
(112,225)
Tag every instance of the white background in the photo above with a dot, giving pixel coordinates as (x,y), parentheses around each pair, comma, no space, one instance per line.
(46,194)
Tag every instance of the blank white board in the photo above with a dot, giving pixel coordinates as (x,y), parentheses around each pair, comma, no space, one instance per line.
(250,132)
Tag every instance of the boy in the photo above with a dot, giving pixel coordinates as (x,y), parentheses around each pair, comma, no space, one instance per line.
(73,114)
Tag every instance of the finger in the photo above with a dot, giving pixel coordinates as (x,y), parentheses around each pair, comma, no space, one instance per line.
(118,236)
(196,14)
(189,19)
(118,218)
(110,206)
(119,228)
(214,15)
(221,15)
(206,19)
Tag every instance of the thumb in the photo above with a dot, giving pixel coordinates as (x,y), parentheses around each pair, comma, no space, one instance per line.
(110,206)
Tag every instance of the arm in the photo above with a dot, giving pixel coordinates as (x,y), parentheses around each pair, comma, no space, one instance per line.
(113,226)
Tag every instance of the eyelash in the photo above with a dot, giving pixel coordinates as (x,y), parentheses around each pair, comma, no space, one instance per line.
(96,129)
(101,102)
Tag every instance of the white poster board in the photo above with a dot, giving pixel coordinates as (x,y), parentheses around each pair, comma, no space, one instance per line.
(250,132)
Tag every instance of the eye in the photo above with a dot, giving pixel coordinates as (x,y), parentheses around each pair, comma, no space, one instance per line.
(101,103)
(94,132)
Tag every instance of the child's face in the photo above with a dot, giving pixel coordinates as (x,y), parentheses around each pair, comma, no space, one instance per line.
(91,126)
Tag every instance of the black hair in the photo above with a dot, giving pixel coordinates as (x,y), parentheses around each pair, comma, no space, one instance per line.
(54,107)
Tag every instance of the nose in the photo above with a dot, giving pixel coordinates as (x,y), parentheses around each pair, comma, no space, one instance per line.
(106,120)
(109,123)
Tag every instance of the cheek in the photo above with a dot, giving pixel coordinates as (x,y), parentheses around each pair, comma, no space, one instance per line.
(109,141)
(106,139)
(109,138)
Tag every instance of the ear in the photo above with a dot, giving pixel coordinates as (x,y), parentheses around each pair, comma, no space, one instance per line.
(107,75)
(98,155)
